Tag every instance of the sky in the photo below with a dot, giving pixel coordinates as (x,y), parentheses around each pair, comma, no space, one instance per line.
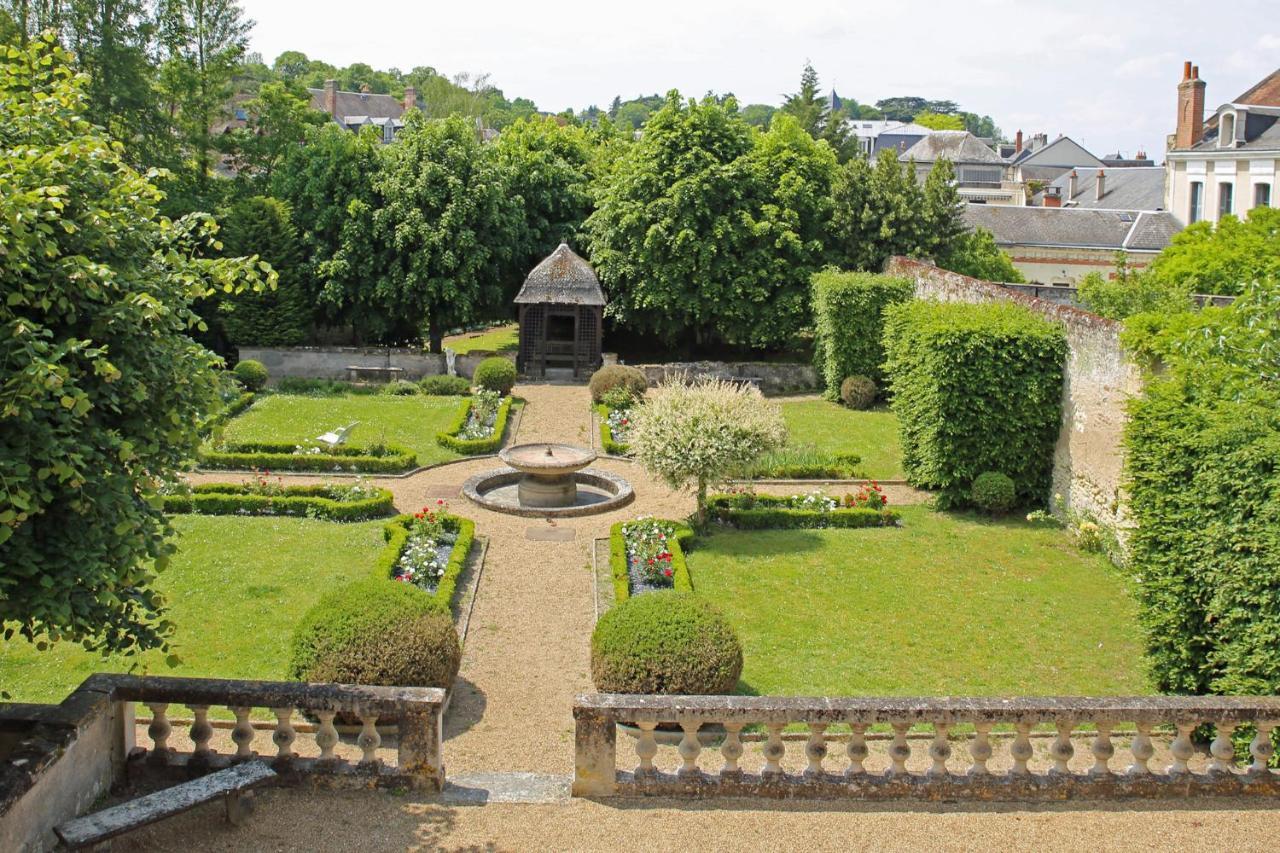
(1103,73)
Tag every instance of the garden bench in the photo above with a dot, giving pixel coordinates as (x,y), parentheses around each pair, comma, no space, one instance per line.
(338,436)
(230,784)
(356,372)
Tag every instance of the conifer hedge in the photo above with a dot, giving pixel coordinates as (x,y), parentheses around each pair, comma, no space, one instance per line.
(848,309)
(975,388)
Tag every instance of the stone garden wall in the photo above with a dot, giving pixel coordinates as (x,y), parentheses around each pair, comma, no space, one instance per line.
(1088,461)
(332,362)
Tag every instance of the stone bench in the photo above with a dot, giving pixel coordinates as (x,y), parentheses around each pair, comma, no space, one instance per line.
(229,784)
(359,373)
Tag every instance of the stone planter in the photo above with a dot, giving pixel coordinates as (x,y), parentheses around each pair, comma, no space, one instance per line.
(670,734)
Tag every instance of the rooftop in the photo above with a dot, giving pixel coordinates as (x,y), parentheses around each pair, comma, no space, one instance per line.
(563,278)
(958,146)
(1134,188)
(1129,230)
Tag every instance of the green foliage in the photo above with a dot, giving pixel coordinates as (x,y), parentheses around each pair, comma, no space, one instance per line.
(103,390)
(495,374)
(278,120)
(675,544)
(621,397)
(283,456)
(445,386)
(993,492)
(1221,259)
(1135,293)
(806,462)
(811,111)
(377,632)
(939,121)
(451,439)
(848,315)
(228,411)
(396,535)
(976,254)
(330,502)
(773,512)
(400,388)
(976,388)
(858,392)
(607,441)
(878,212)
(1202,448)
(665,643)
(262,227)
(298,385)
(251,374)
(614,376)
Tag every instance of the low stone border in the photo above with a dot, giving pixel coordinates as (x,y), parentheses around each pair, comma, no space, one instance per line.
(623,494)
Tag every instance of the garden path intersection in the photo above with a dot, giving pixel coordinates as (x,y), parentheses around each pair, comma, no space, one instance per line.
(509,739)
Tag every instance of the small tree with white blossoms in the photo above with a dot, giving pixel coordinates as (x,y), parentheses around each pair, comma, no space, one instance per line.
(701,434)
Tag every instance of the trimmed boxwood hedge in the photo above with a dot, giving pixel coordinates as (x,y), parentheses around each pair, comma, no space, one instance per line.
(312,501)
(228,412)
(769,512)
(396,535)
(613,448)
(848,319)
(279,456)
(474,446)
(975,388)
(680,579)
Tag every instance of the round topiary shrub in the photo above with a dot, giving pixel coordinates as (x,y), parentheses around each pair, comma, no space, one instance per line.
(495,374)
(858,392)
(377,632)
(993,492)
(252,375)
(445,386)
(665,642)
(617,376)
(400,388)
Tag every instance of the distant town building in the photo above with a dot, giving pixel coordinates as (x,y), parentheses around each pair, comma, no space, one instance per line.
(875,135)
(1118,188)
(354,110)
(1042,160)
(982,177)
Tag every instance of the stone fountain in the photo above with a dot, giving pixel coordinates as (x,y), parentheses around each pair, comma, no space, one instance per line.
(548,479)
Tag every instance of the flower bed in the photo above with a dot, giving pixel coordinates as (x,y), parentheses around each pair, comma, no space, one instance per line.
(648,554)
(746,510)
(428,550)
(332,502)
(479,426)
(615,430)
(284,456)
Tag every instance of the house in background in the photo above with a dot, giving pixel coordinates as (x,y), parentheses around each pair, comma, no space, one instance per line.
(1225,164)
(981,175)
(354,110)
(1044,161)
(1134,188)
(875,135)
(1062,245)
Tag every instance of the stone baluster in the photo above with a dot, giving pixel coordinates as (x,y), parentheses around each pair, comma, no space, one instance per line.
(1182,749)
(242,734)
(1062,749)
(774,750)
(159,732)
(369,740)
(1222,750)
(1020,749)
(1142,749)
(899,750)
(816,750)
(201,734)
(857,750)
(980,749)
(731,750)
(689,748)
(284,735)
(646,749)
(1103,749)
(326,735)
(939,751)
(1261,748)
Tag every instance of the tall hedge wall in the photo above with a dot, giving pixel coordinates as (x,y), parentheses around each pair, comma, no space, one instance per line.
(848,309)
(976,388)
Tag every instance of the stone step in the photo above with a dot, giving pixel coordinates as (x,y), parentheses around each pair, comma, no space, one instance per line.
(475,788)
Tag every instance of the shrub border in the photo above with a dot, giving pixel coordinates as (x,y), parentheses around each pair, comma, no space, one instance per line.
(475,446)
(280,456)
(680,579)
(607,444)
(396,534)
(307,501)
(773,517)
(241,403)
(800,471)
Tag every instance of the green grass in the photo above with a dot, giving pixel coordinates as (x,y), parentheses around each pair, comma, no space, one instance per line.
(504,338)
(236,588)
(411,422)
(832,428)
(945,605)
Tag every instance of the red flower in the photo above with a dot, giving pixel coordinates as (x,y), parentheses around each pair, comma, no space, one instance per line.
(440,502)
(667,572)
(883,500)
(418,515)
(651,561)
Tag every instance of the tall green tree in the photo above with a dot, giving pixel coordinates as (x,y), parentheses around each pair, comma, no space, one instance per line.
(877,213)
(278,120)
(1222,258)
(810,110)
(282,317)
(941,212)
(102,388)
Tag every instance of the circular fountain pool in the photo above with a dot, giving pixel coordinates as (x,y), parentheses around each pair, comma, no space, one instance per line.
(546,479)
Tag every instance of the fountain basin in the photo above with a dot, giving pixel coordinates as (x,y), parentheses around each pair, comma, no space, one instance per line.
(594,491)
(547,469)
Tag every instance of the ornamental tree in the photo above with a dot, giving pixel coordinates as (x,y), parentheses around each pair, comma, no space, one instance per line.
(699,435)
(102,388)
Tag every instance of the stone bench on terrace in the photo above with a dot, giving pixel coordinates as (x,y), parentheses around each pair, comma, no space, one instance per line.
(359,373)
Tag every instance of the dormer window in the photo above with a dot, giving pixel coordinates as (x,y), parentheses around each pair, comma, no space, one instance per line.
(1227,130)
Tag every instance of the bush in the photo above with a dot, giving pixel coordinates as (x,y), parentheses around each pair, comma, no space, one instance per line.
(252,375)
(614,376)
(993,492)
(665,642)
(282,456)
(321,387)
(376,632)
(400,388)
(621,397)
(273,318)
(445,386)
(333,502)
(975,388)
(772,512)
(848,317)
(495,374)
(858,392)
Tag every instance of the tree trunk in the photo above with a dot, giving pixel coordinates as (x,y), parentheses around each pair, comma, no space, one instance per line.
(702,501)
(435,336)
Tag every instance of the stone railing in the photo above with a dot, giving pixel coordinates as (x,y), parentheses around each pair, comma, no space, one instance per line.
(978,749)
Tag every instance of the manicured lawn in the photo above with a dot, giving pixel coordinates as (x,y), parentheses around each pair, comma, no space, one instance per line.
(408,421)
(832,428)
(497,339)
(944,605)
(236,588)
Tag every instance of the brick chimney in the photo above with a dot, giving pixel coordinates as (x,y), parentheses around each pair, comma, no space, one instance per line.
(331,97)
(1100,185)
(1190,107)
(1053,197)
(410,98)
(1017,143)
(1071,185)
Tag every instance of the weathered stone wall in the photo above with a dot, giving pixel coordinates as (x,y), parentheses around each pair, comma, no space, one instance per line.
(332,362)
(775,377)
(1088,461)
(1063,295)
